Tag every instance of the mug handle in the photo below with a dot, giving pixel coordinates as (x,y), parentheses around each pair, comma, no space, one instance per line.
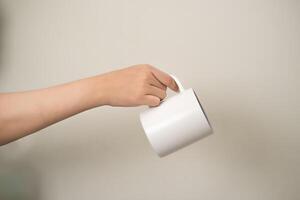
(180,87)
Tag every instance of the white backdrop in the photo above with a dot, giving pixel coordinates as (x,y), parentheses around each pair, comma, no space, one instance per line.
(241,57)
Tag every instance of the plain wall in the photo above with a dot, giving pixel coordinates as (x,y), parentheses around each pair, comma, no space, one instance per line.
(241,57)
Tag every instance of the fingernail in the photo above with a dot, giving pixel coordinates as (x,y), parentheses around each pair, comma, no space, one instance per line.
(175,86)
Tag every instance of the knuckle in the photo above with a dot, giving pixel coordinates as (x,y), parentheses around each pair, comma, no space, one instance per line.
(147,67)
(146,76)
(143,85)
(169,80)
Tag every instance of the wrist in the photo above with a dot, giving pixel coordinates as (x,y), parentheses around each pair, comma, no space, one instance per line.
(98,93)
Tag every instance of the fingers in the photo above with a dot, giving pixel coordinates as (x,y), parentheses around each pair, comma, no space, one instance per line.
(155,82)
(151,100)
(165,79)
(155,91)
(154,85)
(154,96)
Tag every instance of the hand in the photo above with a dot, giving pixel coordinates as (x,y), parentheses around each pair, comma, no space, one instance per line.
(135,85)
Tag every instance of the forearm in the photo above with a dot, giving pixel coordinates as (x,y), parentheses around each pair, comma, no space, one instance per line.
(23,113)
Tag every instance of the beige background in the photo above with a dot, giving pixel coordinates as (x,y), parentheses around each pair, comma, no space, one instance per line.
(241,57)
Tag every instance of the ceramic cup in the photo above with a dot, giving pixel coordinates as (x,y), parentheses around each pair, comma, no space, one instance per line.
(177,122)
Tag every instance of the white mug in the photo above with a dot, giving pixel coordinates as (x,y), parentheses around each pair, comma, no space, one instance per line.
(177,122)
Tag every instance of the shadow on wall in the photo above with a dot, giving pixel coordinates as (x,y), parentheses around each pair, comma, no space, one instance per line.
(18,181)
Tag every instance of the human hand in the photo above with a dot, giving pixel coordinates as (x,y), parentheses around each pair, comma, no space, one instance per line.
(136,85)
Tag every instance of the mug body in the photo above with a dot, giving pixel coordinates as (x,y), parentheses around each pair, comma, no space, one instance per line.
(177,122)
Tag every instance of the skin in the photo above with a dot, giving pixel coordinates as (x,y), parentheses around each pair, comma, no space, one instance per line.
(23,113)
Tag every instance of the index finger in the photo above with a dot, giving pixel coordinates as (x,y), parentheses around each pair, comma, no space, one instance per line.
(165,79)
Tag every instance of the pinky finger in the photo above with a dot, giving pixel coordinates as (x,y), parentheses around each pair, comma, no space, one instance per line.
(151,100)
